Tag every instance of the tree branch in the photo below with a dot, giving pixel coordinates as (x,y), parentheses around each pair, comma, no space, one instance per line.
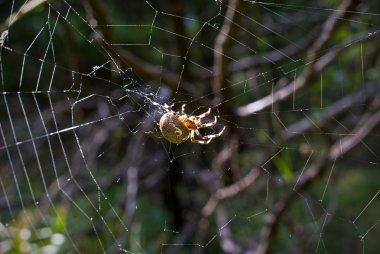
(230,191)
(312,68)
(221,45)
(128,60)
(337,108)
(317,169)
(24,9)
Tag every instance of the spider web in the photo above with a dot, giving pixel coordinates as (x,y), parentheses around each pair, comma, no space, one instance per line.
(85,169)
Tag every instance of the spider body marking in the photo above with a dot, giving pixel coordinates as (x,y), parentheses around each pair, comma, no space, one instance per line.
(179,127)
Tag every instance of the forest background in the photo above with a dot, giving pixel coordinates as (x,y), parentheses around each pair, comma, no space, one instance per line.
(84,167)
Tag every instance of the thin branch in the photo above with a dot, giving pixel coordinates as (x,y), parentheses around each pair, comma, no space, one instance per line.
(227,243)
(24,9)
(270,57)
(364,127)
(221,45)
(341,106)
(230,191)
(250,62)
(337,108)
(128,60)
(130,166)
(317,169)
(312,68)
(330,25)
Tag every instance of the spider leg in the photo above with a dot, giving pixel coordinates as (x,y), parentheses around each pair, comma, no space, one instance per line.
(183,109)
(207,138)
(205,125)
(205,113)
(200,135)
(212,136)
(192,138)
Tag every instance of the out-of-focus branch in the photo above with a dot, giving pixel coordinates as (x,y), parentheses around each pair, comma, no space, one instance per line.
(363,128)
(337,108)
(177,9)
(219,193)
(221,45)
(317,169)
(97,15)
(230,191)
(227,243)
(130,168)
(274,56)
(24,9)
(215,185)
(342,105)
(96,9)
(271,56)
(313,66)
(267,57)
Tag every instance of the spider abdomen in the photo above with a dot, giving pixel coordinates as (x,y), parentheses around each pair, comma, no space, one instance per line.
(173,129)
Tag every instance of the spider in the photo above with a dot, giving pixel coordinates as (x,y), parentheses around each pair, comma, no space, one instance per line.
(177,128)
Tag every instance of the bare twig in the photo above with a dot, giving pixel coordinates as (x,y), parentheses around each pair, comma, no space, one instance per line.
(227,243)
(221,44)
(317,169)
(337,108)
(364,127)
(312,68)
(99,16)
(250,62)
(24,9)
(271,56)
(128,60)
(342,105)
(230,191)
(130,167)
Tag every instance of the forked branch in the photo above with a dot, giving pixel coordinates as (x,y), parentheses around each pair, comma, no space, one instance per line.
(364,127)
(312,68)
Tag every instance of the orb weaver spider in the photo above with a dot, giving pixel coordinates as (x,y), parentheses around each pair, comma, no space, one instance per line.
(179,127)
